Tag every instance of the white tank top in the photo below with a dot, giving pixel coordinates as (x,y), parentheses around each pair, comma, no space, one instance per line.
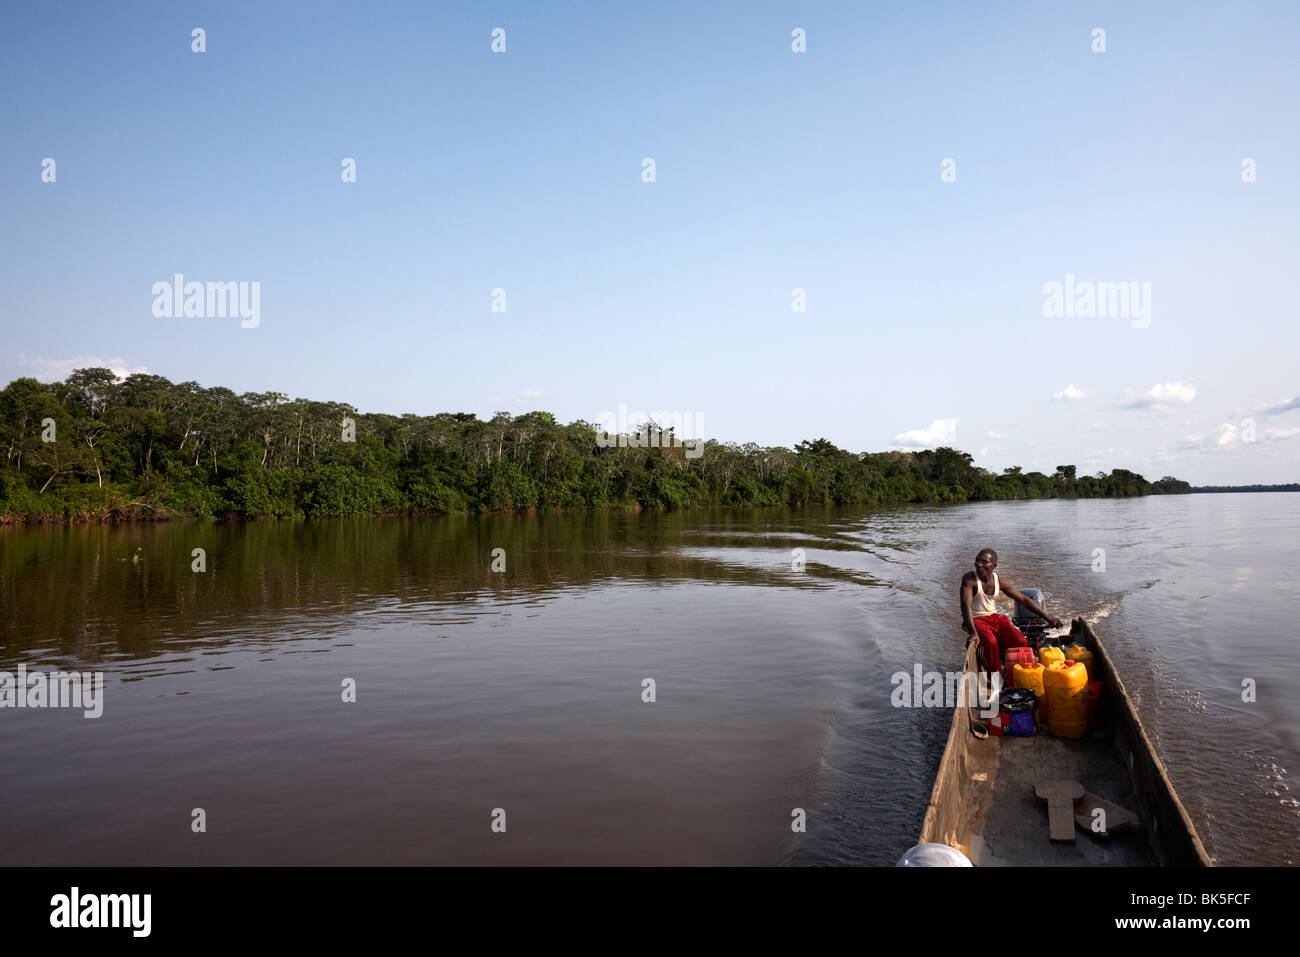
(983,603)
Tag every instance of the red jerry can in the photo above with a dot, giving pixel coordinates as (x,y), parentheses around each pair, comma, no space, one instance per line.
(1094,703)
(1012,657)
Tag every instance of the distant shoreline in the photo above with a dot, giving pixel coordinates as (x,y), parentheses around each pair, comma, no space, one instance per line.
(160,516)
(1292,487)
(99,449)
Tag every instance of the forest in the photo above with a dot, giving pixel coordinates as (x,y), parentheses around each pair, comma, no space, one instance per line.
(1289,487)
(96,447)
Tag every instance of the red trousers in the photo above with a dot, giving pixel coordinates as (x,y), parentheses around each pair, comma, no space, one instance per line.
(997,633)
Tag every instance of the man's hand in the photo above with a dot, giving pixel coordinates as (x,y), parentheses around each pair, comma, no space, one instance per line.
(1054,622)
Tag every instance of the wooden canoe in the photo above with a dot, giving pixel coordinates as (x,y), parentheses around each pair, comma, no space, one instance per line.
(983,801)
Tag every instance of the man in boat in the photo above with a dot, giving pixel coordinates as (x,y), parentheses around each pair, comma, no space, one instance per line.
(980,618)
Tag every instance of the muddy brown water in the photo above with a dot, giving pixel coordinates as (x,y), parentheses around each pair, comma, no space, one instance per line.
(485,695)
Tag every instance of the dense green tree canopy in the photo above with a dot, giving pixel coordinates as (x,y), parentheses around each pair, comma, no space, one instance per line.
(98,447)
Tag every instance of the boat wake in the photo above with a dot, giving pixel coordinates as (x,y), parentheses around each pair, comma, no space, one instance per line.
(1103,611)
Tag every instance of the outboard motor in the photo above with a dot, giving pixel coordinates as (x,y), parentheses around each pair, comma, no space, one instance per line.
(1030,625)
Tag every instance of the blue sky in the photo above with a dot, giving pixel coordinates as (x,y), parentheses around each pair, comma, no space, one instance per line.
(775,170)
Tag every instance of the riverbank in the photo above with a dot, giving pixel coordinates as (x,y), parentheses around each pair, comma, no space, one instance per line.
(136,513)
(99,449)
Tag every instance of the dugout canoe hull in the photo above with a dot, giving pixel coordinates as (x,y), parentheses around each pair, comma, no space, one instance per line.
(983,803)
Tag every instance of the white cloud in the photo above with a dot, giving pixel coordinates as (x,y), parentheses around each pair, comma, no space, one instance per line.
(996,435)
(1097,456)
(940,432)
(1069,393)
(1161,397)
(1277,435)
(56,370)
(1286,405)
(1228,436)
(1196,442)
(526,400)
(1222,438)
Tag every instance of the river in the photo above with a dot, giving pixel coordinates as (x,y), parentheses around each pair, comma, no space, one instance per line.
(500,716)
